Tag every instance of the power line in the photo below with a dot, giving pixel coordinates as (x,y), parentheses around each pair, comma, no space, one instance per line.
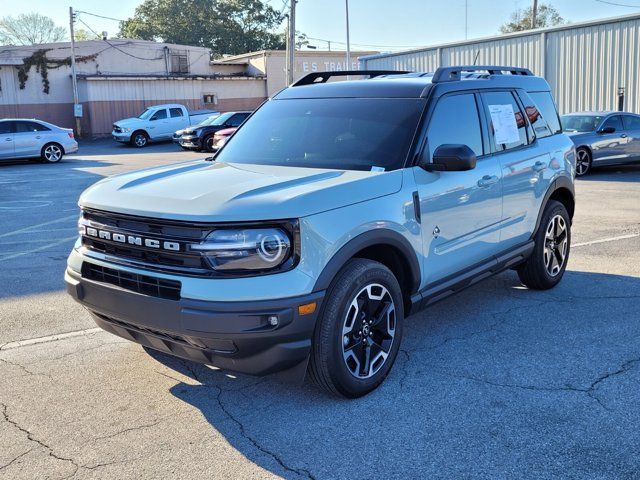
(618,4)
(365,44)
(100,16)
(114,46)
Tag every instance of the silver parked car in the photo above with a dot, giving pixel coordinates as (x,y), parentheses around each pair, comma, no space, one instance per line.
(603,138)
(30,138)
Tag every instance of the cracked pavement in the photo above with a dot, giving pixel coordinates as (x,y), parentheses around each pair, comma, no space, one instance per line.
(496,382)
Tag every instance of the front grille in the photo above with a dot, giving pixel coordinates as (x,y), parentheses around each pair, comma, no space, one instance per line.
(182,261)
(117,129)
(155,287)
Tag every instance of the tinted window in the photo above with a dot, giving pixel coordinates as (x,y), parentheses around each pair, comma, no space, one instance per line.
(22,127)
(335,133)
(631,123)
(614,122)
(455,120)
(222,119)
(544,102)
(5,127)
(175,112)
(504,102)
(159,115)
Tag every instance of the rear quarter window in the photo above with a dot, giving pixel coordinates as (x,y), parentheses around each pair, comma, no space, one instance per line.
(546,106)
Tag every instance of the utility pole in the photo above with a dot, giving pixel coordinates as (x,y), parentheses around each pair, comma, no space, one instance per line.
(77,109)
(534,13)
(292,42)
(348,43)
(466,19)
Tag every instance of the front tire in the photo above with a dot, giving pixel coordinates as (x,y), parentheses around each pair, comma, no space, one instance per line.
(358,334)
(546,265)
(51,153)
(583,161)
(139,139)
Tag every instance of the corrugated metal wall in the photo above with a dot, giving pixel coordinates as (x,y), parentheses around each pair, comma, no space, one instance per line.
(585,63)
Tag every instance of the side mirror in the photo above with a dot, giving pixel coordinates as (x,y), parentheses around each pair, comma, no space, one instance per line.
(607,130)
(451,158)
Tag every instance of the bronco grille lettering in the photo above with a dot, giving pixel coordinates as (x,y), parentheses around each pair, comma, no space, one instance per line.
(132,239)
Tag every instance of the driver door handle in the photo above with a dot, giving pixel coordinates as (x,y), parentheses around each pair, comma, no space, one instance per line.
(624,135)
(487,181)
(8,139)
(539,166)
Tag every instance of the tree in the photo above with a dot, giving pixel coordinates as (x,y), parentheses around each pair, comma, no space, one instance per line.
(30,29)
(81,35)
(520,20)
(224,26)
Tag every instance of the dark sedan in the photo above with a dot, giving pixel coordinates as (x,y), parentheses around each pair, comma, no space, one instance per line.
(202,137)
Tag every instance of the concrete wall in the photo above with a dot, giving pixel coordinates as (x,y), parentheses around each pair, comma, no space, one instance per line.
(584,63)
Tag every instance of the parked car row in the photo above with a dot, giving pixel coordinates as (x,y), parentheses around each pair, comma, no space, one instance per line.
(157,123)
(208,135)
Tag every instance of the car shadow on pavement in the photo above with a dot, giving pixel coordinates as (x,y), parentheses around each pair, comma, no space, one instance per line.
(497,381)
(615,173)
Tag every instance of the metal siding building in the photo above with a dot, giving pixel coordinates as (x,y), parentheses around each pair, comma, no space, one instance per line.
(585,63)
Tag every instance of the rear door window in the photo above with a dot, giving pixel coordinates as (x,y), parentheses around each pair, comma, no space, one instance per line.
(455,120)
(631,122)
(536,118)
(544,102)
(24,127)
(175,112)
(507,122)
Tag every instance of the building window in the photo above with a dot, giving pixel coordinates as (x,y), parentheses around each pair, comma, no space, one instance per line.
(210,98)
(179,63)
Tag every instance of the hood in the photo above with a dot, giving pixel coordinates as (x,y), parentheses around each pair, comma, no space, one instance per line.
(129,121)
(202,191)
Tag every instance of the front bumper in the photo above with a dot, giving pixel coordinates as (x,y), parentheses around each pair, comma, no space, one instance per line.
(190,141)
(235,336)
(121,136)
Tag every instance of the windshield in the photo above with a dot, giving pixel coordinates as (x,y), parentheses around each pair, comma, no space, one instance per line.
(334,133)
(580,123)
(146,114)
(221,119)
(209,120)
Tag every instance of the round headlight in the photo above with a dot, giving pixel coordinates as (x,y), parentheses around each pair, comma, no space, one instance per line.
(246,249)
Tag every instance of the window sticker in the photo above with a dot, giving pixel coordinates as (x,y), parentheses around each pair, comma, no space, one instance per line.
(504,123)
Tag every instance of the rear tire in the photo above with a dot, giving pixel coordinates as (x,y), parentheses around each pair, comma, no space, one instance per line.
(358,333)
(139,139)
(583,161)
(546,265)
(51,153)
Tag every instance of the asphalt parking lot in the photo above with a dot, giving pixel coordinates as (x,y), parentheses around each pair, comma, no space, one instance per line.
(497,382)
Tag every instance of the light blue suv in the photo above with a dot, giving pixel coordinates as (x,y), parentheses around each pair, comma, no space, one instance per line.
(335,211)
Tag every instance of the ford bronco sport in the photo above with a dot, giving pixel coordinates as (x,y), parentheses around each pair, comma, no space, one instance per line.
(335,211)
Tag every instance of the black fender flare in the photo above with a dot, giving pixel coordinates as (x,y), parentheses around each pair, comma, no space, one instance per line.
(558,183)
(381,236)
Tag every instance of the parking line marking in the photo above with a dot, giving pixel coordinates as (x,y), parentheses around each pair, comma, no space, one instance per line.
(26,229)
(604,240)
(36,250)
(48,338)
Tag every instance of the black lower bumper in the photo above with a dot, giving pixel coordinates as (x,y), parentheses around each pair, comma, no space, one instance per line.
(235,336)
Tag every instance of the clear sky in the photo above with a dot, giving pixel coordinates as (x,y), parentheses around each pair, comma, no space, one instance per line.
(391,23)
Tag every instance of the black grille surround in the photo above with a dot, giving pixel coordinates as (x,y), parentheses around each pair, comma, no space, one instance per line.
(183,260)
(116,128)
(155,287)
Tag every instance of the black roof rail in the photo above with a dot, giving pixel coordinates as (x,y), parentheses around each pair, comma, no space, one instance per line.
(323,77)
(452,74)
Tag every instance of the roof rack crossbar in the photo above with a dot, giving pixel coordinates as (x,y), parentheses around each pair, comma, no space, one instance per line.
(323,77)
(452,74)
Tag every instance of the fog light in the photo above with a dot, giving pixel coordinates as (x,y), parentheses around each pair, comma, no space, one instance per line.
(273,321)
(307,308)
